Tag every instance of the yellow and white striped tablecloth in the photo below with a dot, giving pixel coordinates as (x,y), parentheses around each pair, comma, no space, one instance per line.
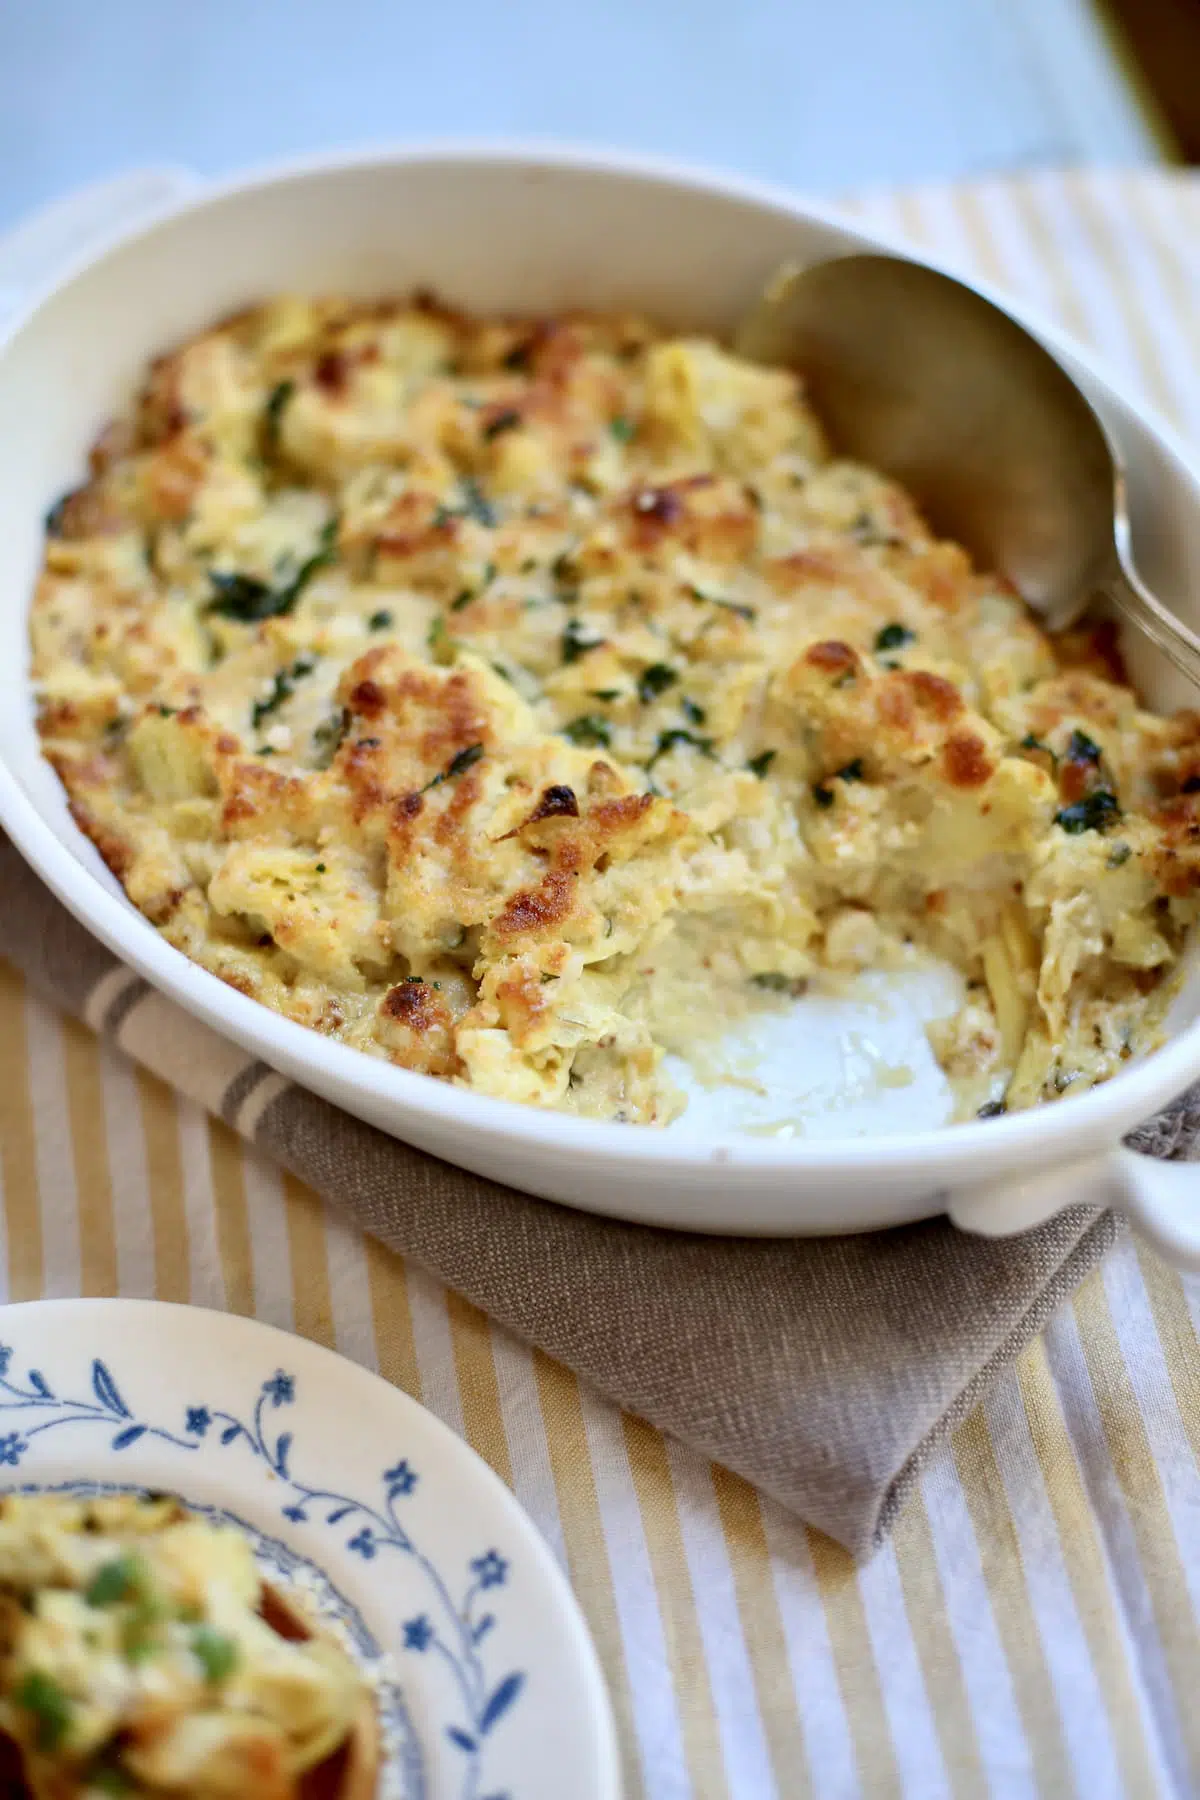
(1033,1626)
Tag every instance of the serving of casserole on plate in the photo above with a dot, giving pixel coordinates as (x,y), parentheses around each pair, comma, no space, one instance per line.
(522,700)
(142,1654)
(234,1566)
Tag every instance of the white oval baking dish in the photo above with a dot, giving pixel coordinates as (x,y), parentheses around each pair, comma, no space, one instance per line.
(525,228)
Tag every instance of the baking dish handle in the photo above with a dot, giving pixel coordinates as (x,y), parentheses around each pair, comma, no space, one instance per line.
(49,239)
(1160,1199)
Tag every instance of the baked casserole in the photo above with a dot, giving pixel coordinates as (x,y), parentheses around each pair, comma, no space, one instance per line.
(522,700)
(142,1655)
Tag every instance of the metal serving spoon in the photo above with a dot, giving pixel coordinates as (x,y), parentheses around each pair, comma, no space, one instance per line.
(922,377)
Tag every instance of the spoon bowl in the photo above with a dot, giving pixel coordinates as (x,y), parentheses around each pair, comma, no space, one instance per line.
(922,377)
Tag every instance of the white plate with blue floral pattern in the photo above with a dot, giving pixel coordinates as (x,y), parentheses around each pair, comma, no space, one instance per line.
(401,1540)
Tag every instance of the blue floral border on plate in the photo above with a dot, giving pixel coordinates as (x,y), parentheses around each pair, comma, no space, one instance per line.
(453,1632)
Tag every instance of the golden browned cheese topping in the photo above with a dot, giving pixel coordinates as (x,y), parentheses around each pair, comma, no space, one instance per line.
(515,699)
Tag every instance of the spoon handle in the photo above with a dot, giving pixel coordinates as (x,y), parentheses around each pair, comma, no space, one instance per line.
(1133,598)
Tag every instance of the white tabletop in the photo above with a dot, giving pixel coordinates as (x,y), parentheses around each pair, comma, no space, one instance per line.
(857,93)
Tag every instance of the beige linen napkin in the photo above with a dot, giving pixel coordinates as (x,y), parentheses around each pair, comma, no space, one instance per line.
(825,1370)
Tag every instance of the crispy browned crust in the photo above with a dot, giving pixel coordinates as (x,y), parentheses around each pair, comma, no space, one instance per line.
(585,636)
